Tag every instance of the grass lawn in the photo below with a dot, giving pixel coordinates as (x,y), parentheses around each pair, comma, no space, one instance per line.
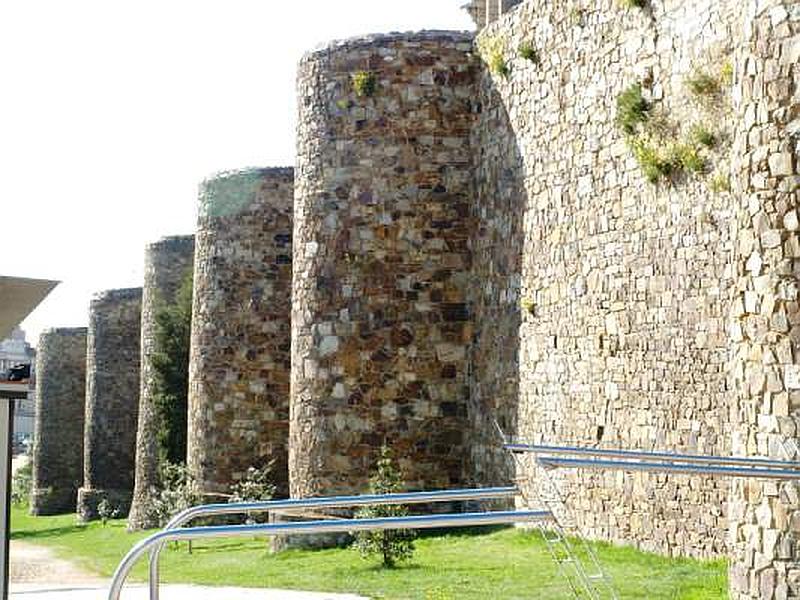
(502,564)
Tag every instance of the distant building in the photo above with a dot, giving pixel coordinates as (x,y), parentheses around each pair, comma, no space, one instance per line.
(13,351)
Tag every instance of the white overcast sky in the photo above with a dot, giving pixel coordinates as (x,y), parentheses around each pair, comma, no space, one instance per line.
(111,113)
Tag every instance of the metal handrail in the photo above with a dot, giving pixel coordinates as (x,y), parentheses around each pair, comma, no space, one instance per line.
(620,465)
(652,456)
(311,527)
(207,510)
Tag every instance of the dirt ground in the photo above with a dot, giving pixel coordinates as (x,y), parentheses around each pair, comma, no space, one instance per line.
(34,564)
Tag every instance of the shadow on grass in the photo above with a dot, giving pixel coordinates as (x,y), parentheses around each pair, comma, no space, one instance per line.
(46,533)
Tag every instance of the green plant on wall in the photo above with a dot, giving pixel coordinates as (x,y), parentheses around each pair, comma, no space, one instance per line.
(492,50)
(633,3)
(632,109)
(703,136)
(528,52)
(726,73)
(702,84)
(365,84)
(720,184)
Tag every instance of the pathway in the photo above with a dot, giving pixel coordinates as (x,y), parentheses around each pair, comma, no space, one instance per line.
(36,574)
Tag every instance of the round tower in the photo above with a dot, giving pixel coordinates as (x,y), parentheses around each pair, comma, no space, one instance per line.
(379,316)
(112,401)
(60,397)
(167,267)
(240,348)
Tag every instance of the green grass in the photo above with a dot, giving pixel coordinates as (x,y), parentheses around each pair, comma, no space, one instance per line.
(502,564)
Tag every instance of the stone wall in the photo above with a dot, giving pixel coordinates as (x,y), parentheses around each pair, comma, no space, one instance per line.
(380,321)
(112,401)
(240,349)
(625,286)
(765,332)
(167,263)
(58,434)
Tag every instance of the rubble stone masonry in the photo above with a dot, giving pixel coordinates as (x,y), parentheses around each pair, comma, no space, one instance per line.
(380,319)
(240,349)
(167,263)
(58,429)
(112,401)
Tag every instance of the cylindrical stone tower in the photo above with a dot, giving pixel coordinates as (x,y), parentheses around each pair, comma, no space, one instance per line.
(112,401)
(240,349)
(167,264)
(379,315)
(765,515)
(58,437)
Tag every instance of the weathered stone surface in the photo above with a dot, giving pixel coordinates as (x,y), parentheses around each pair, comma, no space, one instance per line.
(380,315)
(765,365)
(58,436)
(605,317)
(112,401)
(166,265)
(240,350)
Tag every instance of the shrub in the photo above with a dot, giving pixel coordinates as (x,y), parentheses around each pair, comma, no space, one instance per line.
(107,511)
(702,84)
(255,486)
(528,52)
(173,323)
(492,51)
(528,305)
(703,136)
(364,83)
(178,492)
(632,109)
(391,545)
(22,484)
(633,3)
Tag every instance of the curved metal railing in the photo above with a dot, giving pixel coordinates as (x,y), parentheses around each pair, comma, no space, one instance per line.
(207,510)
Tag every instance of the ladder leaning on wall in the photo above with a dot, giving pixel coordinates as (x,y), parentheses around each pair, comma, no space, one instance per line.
(574,557)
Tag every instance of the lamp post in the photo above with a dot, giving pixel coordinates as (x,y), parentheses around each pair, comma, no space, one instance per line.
(9,392)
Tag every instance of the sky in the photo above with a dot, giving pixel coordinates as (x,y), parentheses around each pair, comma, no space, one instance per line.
(112,112)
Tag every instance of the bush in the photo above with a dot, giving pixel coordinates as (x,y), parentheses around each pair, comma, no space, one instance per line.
(22,485)
(720,184)
(632,109)
(364,83)
(178,492)
(633,3)
(653,164)
(107,511)
(391,545)
(255,486)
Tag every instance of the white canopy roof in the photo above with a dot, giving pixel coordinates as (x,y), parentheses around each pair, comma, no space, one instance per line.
(18,297)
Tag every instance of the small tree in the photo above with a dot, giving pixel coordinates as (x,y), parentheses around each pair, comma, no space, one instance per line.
(178,492)
(255,486)
(391,545)
(21,484)
(173,324)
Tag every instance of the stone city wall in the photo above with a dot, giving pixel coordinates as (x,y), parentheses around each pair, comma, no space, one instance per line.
(240,348)
(620,289)
(58,429)
(765,329)
(380,316)
(112,401)
(167,264)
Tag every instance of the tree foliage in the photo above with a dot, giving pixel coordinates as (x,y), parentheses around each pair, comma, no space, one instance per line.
(391,545)
(173,323)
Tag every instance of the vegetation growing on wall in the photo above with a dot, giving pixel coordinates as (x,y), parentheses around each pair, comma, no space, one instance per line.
(632,109)
(492,50)
(171,373)
(364,83)
(528,52)
(633,3)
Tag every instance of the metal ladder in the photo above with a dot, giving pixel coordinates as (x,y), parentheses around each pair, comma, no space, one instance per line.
(575,558)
